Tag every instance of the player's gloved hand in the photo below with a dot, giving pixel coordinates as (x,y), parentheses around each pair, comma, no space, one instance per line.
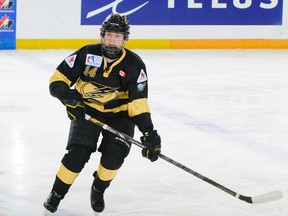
(152,142)
(75,109)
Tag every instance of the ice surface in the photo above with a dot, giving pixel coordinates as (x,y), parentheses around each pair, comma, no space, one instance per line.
(223,113)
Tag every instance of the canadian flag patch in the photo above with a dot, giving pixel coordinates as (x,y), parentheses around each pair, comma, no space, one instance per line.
(142,77)
(70,60)
(122,73)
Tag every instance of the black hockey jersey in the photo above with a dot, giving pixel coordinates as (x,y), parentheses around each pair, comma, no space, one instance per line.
(109,90)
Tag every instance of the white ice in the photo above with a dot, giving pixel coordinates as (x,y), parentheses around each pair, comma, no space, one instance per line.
(223,113)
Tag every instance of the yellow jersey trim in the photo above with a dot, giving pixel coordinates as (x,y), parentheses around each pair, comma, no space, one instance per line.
(58,76)
(107,71)
(137,107)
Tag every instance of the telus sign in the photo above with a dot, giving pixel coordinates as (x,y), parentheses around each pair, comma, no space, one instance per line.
(185,12)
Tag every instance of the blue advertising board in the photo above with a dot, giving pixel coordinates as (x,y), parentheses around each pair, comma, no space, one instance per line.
(185,12)
(7,24)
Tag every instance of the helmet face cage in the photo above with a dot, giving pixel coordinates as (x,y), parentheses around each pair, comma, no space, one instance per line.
(118,24)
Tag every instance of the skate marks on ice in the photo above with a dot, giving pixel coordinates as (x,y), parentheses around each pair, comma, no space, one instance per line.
(193,119)
(47,213)
(220,131)
(63,212)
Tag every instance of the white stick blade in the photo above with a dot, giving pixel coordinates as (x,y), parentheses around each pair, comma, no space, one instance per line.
(268,197)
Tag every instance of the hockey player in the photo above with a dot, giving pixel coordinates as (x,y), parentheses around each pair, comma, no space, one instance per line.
(109,83)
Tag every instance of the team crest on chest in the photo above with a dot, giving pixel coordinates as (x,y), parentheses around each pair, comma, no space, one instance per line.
(93,60)
(97,93)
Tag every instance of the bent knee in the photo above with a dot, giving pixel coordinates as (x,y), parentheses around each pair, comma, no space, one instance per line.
(76,158)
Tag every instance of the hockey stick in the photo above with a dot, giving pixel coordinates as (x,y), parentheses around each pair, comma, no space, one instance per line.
(267,197)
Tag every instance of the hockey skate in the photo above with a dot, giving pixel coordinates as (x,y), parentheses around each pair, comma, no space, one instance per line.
(52,202)
(97,199)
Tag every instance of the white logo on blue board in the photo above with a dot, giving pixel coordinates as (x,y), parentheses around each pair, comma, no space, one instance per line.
(93,60)
(114,5)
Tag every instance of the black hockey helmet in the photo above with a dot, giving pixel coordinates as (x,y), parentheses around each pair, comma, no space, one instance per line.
(114,23)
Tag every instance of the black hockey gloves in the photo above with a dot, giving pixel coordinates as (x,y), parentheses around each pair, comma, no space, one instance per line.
(75,109)
(152,141)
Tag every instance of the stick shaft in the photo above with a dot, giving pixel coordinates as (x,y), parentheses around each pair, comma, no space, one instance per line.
(164,157)
(261,198)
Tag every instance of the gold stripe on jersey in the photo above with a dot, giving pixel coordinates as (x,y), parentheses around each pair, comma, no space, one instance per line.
(102,109)
(106,174)
(137,107)
(134,108)
(124,95)
(66,175)
(107,71)
(58,76)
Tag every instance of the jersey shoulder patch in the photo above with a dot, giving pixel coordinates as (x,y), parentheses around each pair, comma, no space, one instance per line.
(70,60)
(142,76)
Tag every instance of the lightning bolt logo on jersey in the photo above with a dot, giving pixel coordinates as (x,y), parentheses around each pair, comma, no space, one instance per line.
(97,93)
